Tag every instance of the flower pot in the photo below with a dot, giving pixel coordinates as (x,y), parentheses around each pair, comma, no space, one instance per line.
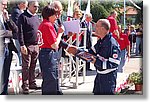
(138,87)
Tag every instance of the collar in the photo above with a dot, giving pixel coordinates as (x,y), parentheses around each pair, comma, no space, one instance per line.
(1,15)
(107,36)
(31,13)
(45,20)
(1,18)
(86,22)
(21,10)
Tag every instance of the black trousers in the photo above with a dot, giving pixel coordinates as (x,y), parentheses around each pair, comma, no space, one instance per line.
(6,71)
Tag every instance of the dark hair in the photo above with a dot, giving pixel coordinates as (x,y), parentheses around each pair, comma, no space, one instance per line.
(48,11)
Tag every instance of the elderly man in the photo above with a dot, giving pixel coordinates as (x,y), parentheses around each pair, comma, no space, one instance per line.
(87,24)
(7,27)
(113,23)
(28,24)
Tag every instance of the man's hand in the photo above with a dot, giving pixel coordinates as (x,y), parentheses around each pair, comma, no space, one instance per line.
(94,59)
(72,49)
(5,14)
(70,34)
(61,29)
(128,55)
(117,33)
(55,46)
(24,50)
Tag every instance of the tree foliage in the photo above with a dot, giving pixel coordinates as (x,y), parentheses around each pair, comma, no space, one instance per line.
(99,8)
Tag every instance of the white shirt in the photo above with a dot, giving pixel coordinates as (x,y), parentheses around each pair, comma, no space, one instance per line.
(1,18)
(2,21)
(87,24)
(31,13)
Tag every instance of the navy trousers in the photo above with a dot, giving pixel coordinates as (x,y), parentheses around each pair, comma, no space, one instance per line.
(48,60)
(105,84)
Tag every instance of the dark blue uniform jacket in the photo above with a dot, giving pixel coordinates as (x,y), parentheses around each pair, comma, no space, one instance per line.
(107,51)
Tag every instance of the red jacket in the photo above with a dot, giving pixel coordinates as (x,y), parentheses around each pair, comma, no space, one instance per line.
(113,24)
(47,34)
(123,41)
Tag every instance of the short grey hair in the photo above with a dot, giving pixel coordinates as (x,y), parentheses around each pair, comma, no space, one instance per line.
(21,1)
(56,4)
(31,1)
(88,15)
(105,23)
(113,12)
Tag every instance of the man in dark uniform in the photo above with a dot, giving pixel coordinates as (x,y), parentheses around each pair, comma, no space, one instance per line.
(105,59)
(106,62)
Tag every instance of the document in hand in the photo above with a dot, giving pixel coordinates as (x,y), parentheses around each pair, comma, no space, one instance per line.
(85,56)
(72,26)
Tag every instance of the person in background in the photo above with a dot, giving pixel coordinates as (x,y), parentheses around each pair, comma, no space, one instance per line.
(127,30)
(132,38)
(124,47)
(139,40)
(113,23)
(87,24)
(77,14)
(7,27)
(28,24)
(15,13)
(48,56)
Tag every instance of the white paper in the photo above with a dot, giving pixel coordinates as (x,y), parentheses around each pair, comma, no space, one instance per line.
(72,26)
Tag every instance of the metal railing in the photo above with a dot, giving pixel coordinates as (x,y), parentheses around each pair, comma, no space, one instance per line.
(72,66)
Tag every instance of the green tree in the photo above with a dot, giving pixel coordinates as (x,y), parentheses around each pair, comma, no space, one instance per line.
(98,11)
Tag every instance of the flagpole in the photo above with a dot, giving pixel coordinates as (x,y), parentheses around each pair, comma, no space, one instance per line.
(124,14)
(87,10)
(79,2)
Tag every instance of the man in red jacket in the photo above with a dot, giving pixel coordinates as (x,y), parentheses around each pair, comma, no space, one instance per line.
(113,23)
(124,46)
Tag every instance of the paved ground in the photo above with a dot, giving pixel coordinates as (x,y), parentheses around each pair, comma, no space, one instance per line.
(133,65)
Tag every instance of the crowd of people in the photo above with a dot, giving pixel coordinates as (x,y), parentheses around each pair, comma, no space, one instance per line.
(31,39)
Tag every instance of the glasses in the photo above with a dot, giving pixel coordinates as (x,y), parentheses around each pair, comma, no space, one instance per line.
(59,11)
(36,6)
(4,3)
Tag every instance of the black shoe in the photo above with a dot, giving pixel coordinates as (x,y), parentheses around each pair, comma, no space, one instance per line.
(59,93)
(34,87)
(26,90)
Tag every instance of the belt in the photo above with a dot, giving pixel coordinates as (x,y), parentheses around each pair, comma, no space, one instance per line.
(106,71)
(47,49)
(123,49)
